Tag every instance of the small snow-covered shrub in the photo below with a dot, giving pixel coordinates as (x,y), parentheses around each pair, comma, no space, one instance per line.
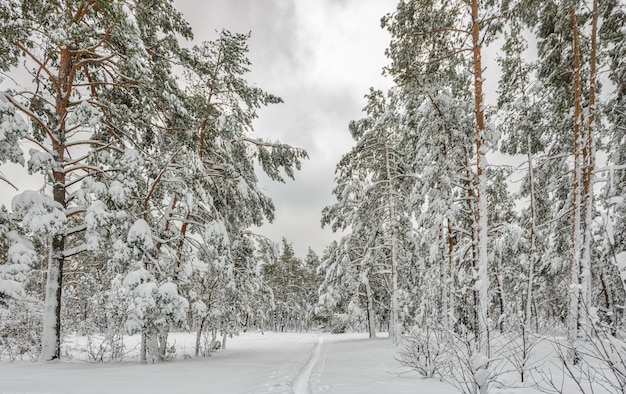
(519,350)
(426,351)
(468,369)
(20,312)
(339,323)
(453,357)
(600,362)
(105,347)
(20,328)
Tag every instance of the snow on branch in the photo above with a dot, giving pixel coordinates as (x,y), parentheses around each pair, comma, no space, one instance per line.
(39,213)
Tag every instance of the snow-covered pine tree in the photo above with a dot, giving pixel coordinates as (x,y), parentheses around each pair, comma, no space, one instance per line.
(310,285)
(211,165)
(253,295)
(373,187)
(219,152)
(430,39)
(350,286)
(285,275)
(573,45)
(119,142)
(612,37)
(527,132)
(101,88)
(440,120)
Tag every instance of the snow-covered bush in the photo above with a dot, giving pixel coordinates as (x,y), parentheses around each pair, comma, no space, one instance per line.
(20,256)
(154,309)
(20,330)
(152,304)
(600,362)
(469,370)
(453,357)
(339,323)
(20,320)
(519,350)
(96,307)
(426,350)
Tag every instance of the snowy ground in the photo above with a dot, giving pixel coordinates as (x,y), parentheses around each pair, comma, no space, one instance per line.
(252,363)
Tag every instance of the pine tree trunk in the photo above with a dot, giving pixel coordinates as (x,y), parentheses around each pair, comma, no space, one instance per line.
(152,341)
(213,339)
(501,295)
(51,334)
(394,329)
(575,266)
(371,319)
(451,315)
(588,152)
(533,247)
(443,282)
(162,339)
(143,349)
(481,188)
(199,334)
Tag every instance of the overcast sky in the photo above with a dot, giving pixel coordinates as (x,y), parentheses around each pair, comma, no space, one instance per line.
(321,57)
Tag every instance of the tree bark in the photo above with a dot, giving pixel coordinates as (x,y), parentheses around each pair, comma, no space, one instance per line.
(394,329)
(575,265)
(199,334)
(533,247)
(588,152)
(481,187)
(371,319)
(143,349)
(51,334)
(443,280)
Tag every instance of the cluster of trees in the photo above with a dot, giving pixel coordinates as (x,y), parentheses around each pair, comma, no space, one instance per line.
(147,166)
(148,184)
(435,234)
(294,284)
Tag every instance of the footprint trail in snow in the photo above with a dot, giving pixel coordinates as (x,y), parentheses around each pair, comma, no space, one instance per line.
(302,381)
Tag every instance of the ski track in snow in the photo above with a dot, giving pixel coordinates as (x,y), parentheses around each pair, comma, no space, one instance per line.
(302,381)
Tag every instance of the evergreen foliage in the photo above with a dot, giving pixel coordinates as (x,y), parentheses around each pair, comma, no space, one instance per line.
(149,184)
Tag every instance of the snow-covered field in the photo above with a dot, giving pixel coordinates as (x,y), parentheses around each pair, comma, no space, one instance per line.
(295,363)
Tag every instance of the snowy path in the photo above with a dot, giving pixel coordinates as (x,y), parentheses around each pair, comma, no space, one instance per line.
(302,381)
(253,363)
(353,364)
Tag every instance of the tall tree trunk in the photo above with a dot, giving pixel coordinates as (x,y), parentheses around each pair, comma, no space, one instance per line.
(394,329)
(533,246)
(501,294)
(443,272)
(450,313)
(588,151)
(481,187)
(575,266)
(51,334)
